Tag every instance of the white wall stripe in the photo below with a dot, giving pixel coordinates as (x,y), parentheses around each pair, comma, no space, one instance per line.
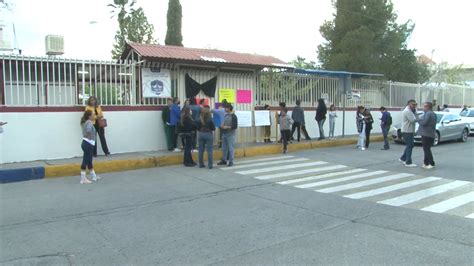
(364,183)
(249,165)
(277,168)
(470,216)
(378,191)
(342,179)
(301,172)
(316,177)
(265,159)
(422,194)
(450,203)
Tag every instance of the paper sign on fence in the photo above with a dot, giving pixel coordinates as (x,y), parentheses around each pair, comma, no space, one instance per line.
(244,118)
(244,96)
(262,118)
(227,94)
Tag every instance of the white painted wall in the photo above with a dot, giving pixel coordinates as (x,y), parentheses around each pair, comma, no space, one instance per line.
(57,135)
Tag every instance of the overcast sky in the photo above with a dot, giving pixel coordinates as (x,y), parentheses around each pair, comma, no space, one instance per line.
(280,28)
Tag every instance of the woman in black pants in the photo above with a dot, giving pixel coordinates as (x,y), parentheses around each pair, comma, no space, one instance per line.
(321,112)
(369,120)
(94,107)
(188,127)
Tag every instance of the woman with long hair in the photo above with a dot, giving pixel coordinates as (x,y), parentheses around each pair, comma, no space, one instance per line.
(369,120)
(88,142)
(321,112)
(360,122)
(187,127)
(332,121)
(206,129)
(94,106)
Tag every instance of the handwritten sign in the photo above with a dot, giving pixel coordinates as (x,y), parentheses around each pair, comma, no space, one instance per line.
(262,118)
(244,96)
(227,94)
(244,118)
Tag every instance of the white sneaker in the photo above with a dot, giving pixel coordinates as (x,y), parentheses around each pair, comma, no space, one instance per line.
(410,165)
(85,181)
(402,161)
(194,150)
(95,178)
(177,150)
(362,149)
(427,167)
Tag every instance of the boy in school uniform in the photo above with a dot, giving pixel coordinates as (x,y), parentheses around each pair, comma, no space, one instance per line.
(285,128)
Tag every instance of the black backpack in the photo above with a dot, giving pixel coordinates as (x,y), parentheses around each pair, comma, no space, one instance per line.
(389,120)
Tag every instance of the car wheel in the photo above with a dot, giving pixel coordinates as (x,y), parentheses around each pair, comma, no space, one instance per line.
(464,136)
(436,139)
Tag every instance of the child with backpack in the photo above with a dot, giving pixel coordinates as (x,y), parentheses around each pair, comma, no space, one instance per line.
(385,124)
(285,128)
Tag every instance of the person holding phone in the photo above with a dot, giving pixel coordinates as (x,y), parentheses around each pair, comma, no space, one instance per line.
(99,125)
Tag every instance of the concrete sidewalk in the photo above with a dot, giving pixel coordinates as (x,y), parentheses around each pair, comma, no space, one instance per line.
(24,171)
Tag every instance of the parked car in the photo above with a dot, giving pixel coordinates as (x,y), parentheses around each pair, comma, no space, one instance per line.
(448,127)
(467,116)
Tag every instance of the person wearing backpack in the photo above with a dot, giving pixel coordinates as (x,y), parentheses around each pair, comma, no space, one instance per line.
(385,124)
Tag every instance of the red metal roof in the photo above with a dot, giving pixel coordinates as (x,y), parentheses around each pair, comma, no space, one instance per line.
(208,56)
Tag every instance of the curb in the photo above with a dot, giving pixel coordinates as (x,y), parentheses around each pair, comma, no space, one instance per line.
(54,171)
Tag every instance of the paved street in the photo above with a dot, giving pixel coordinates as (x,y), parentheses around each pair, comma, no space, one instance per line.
(330,206)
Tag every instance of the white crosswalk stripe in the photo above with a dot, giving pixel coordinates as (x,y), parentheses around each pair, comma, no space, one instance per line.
(379,191)
(342,179)
(451,203)
(316,177)
(278,168)
(432,194)
(422,194)
(249,165)
(364,183)
(301,172)
(285,157)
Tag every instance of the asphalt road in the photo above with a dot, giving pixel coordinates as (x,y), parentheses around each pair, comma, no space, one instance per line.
(251,214)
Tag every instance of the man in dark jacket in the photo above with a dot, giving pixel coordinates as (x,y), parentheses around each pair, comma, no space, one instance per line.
(427,131)
(166,116)
(298,119)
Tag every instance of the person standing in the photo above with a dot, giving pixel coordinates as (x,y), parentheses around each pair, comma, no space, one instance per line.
(332,121)
(267,129)
(175,117)
(218,117)
(285,125)
(298,118)
(196,114)
(360,123)
(409,118)
(282,105)
(206,130)
(98,115)
(187,128)
(229,127)
(369,120)
(427,131)
(321,112)
(165,116)
(88,143)
(385,124)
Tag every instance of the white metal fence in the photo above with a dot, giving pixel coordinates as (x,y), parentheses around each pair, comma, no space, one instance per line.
(32,81)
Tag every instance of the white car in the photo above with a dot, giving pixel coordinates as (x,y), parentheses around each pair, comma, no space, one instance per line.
(467,116)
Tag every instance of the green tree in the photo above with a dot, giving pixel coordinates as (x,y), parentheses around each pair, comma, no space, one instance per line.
(365,37)
(133,26)
(444,73)
(174,20)
(300,62)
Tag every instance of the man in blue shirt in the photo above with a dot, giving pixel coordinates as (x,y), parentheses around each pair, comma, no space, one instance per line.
(175,117)
(385,124)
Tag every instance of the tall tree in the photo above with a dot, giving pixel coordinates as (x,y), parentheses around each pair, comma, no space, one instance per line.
(174,19)
(365,37)
(301,62)
(133,26)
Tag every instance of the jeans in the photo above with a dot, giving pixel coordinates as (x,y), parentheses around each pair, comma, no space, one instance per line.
(427,142)
(174,136)
(188,143)
(228,141)
(361,139)
(267,133)
(385,137)
(306,135)
(169,136)
(103,141)
(88,155)
(367,137)
(409,143)
(332,126)
(285,136)
(296,126)
(206,140)
(321,128)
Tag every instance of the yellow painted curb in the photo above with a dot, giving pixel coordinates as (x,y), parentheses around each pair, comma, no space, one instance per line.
(52,171)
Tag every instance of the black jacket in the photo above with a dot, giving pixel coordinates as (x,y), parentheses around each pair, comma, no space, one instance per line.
(321,113)
(187,126)
(208,126)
